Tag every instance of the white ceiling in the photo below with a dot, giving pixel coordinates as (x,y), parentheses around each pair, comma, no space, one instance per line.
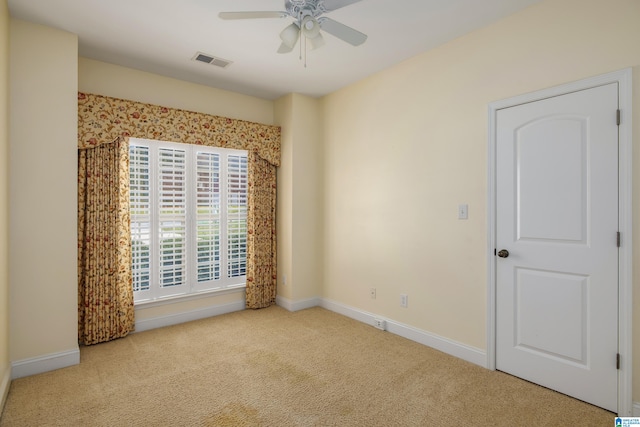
(162,36)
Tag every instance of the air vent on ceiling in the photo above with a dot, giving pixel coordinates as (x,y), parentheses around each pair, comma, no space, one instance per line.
(210,59)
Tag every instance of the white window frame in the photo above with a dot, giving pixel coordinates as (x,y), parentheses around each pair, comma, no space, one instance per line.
(191,285)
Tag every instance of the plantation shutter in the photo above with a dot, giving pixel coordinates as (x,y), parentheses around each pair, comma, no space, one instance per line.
(172,217)
(208,216)
(188,218)
(140,206)
(237,215)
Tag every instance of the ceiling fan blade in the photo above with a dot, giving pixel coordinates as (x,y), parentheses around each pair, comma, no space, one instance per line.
(341,31)
(251,15)
(331,5)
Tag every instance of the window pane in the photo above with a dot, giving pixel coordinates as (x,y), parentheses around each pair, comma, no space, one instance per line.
(208,212)
(140,216)
(172,216)
(237,215)
(208,250)
(140,255)
(188,218)
(172,254)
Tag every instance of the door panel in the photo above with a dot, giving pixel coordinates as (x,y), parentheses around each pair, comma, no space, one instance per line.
(553,328)
(557,215)
(559,192)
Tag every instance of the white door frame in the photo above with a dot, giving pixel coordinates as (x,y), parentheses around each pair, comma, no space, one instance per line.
(625,306)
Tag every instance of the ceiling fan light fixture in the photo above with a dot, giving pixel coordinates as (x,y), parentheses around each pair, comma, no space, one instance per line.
(289,36)
(310,27)
(316,42)
(309,22)
(284,48)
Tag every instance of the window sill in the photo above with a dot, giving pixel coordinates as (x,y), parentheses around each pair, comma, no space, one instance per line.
(189,297)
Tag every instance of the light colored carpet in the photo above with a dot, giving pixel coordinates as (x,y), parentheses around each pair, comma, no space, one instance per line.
(275,368)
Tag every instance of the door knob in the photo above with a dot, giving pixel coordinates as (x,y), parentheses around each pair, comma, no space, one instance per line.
(503,253)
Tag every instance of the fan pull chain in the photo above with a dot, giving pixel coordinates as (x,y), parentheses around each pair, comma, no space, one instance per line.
(303,40)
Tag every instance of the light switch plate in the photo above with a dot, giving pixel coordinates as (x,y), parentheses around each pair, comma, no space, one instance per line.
(463,211)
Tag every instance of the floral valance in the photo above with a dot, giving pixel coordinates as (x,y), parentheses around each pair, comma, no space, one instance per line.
(102,119)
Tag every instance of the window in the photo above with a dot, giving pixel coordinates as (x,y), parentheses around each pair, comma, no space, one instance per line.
(188,218)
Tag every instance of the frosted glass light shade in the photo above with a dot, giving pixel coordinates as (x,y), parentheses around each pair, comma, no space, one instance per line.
(289,35)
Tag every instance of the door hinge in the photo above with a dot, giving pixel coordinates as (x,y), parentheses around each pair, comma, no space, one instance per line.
(618,117)
(618,239)
(618,361)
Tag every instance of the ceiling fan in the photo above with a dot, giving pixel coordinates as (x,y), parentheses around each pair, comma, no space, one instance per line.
(308,22)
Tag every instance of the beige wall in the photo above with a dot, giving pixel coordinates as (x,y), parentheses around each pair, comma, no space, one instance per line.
(42,191)
(404,147)
(299,221)
(283,112)
(126,83)
(5,371)
(307,198)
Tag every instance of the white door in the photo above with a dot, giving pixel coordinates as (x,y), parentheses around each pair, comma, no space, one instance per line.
(557,216)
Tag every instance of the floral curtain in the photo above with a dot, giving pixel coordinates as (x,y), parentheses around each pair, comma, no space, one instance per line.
(104,119)
(261,233)
(105,294)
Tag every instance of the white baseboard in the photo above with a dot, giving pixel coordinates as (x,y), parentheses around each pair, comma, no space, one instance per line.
(453,348)
(297,305)
(188,316)
(46,363)
(5,383)
(636,409)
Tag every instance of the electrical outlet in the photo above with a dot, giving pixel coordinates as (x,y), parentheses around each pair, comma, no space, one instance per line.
(372,293)
(404,300)
(380,324)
